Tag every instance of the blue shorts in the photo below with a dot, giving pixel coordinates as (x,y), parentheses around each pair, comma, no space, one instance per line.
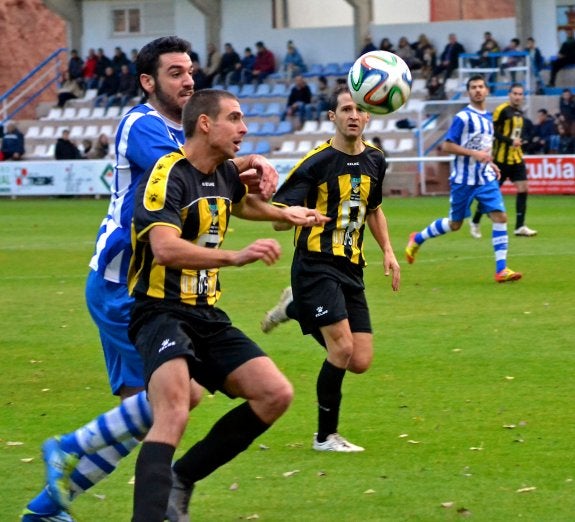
(110,305)
(488,196)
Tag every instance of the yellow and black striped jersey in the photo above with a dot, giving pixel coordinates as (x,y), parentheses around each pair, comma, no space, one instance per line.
(342,187)
(198,205)
(507,125)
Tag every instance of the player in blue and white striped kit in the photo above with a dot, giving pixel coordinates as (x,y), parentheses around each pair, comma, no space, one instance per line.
(78,460)
(474,176)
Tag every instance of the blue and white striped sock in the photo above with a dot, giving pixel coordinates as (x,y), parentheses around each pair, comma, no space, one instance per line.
(96,466)
(500,241)
(132,418)
(438,228)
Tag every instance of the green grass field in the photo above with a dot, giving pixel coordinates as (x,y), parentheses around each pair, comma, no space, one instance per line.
(466,412)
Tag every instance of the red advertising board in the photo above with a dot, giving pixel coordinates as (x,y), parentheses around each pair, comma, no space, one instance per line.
(548,175)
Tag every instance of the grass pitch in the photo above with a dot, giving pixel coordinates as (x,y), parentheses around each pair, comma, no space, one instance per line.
(466,412)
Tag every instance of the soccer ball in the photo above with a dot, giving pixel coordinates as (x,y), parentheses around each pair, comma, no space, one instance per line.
(380,82)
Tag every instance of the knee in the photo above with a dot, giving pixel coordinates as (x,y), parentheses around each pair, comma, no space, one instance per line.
(359,365)
(455,225)
(282,397)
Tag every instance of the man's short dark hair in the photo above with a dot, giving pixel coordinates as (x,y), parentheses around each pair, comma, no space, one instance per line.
(475,78)
(148,59)
(333,99)
(204,101)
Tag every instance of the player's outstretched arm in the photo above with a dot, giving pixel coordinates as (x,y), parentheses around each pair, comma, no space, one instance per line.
(377,223)
(171,250)
(254,209)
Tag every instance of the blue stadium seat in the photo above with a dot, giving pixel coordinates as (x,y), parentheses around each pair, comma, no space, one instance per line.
(263,147)
(247,147)
(253,127)
(331,69)
(279,89)
(268,128)
(248,91)
(274,109)
(257,109)
(263,90)
(284,127)
(315,69)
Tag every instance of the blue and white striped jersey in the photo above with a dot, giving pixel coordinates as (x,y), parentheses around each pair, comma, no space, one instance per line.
(143,136)
(471,129)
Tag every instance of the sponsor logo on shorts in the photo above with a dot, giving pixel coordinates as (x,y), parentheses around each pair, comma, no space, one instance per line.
(166,343)
(320,310)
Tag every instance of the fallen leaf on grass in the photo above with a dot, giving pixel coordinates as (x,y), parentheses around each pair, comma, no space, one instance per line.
(509,377)
(264,447)
(255,516)
(413,441)
(510,426)
(234,487)
(447,504)
(526,489)
(291,473)
(25,461)
(100,497)
(132,481)
(369,492)
(403,435)
(14,443)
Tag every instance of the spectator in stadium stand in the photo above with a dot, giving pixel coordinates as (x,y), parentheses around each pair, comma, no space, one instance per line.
(100,149)
(567,110)
(199,76)
(407,53)
(537,63)
(293,63)
(566,142)
(118,60)
(435,88)
(511,61)
(89,71)
(299,98)
(68,89)
(426,53)
(12,143)
(319,100)
(103,63)
(212,63)
(244,70)
(544,132)
(230,58)
(565,57)
(386,45)
(65,148)
(127,88)
(75,66)
(368,45)
(133,57)
(449,58)
(265,63)
(108,87)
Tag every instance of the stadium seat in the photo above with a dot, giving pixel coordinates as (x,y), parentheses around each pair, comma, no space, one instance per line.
(263,147)
(69,113)
(108,130)
(248,91)
(77,132)
(55,113)
(331,69)
(287,147)
(33,132)
(113,111)
(376,125)
(268,128)
(263,90)
(390,145)
(418,86)
(326,127)
(39,151)
(253,127)
(284,127)
(83,113)
(314,70)
(256,109)
(273,109)
(48,132)
(303,147)
(247,147)
(91,131)
(309,127)
(279,90)
(234,89)
(98,113)
(405,145)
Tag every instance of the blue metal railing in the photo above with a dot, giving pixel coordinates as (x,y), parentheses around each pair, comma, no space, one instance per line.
(27,89)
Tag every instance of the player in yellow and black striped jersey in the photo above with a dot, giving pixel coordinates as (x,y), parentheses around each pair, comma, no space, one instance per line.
(508,123)
(342,179)
(181,214)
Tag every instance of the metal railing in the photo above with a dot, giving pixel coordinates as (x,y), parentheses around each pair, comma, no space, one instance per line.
(26,90)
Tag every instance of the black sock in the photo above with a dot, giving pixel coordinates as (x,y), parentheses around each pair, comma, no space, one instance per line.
(476,217)
(329,383)
(153,482)
(291,311)
(520,209)
(231,435)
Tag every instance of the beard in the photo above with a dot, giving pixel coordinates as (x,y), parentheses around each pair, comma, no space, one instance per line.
(168,104)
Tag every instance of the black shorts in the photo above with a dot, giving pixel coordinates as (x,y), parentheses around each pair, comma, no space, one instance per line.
(513,173)
(203,335)
(328,289)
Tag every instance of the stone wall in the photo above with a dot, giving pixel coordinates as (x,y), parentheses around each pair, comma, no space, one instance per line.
(30,33)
